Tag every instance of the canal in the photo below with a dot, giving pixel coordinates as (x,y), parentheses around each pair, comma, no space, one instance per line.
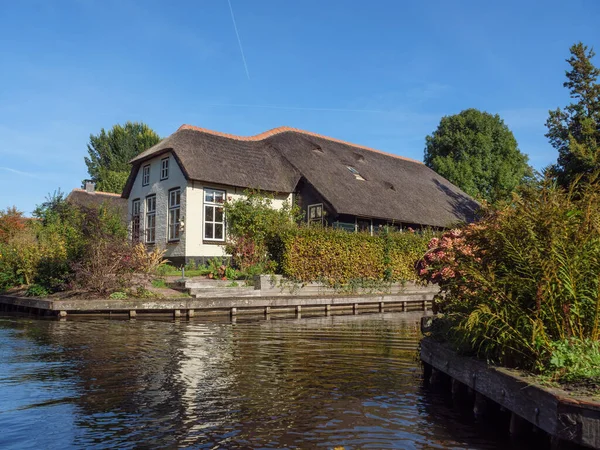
(323,382)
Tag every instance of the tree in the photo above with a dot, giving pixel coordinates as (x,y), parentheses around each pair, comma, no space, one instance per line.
(11,222)
(477,152)
(575,131)
(110,153)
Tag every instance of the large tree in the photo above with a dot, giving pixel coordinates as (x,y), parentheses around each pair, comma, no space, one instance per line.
(477,152)
(110,153)
(575,131)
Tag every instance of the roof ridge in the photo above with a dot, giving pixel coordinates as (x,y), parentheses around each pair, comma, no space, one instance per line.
(96,192)
(283,129)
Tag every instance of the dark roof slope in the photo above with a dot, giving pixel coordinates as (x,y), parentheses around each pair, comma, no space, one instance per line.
(81,197)
(394,188)
(216,158)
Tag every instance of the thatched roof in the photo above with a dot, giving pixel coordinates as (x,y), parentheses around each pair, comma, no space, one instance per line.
(394,188)
(95,199)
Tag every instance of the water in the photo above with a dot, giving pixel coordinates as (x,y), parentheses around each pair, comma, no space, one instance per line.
(341,381)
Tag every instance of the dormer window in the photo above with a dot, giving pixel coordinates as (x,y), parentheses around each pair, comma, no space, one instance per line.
(355,172)
(164,168)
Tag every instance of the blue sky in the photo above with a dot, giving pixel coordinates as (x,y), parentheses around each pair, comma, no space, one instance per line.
(377,73)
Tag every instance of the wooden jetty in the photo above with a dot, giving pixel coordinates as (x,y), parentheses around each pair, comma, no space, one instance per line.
(567,419)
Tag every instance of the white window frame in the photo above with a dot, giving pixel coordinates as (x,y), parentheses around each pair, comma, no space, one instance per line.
(136,226)
(146,175)
(164,168)
(150,228)
(213,200)
(318,208)
(175,214)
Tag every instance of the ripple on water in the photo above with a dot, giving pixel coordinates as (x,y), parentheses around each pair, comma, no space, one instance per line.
(350,381)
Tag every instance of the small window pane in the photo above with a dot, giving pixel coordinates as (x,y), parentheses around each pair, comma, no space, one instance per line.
(209,196)
(209,213)
(218,214)
(208,231)
(219,196)
(218,231)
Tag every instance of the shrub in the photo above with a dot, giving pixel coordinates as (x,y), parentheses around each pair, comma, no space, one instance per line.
(256,230)
(337,257)
(147,262)
(523,278)
(35,290)
(118,295)
(11,223)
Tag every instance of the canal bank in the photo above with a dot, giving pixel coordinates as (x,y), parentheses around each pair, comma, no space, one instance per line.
(189,307)
(570,421)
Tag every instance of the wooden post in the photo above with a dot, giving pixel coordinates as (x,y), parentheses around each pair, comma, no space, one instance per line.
(404,306)
(327,310)
(518,425)
(233,311)
(176,313)
(380,306)
(190,313)
(427,369)
(62,314)
(355,308)
(298,310)
(424,305)
(267,310)
(132,314)
(480,405)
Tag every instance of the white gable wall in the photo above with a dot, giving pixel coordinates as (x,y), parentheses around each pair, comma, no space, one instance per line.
(196,245)
(161,189)
(192,243)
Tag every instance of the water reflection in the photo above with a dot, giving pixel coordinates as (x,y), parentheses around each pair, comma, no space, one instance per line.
(349,381)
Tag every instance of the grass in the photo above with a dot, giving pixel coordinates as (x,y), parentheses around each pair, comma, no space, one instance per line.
(159,283)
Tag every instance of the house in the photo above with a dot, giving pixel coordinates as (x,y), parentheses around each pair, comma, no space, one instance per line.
(176,189)
(91,198)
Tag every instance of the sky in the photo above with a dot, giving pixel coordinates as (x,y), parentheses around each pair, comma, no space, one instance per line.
(376,73)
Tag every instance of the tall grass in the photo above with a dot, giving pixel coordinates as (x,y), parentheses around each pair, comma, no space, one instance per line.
(525,277)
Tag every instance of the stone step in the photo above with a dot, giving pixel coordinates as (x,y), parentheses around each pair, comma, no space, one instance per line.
(225,292)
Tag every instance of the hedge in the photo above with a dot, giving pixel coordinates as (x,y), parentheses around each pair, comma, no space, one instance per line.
(337,257)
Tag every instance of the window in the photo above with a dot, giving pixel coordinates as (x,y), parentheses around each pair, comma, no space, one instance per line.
(151,219)
(214,218)
(355,172)
(164,168)
(315,213)
(146,175)
(174,214)
(135,220)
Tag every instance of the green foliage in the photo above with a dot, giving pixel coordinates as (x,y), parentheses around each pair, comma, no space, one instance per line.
(477,152)
(11,223)
(525,277)
(35,290)
(575,131)
(256,230)
(110,153)
(118,295)
(574,360)
(142,292)
(338,257)
(159,283)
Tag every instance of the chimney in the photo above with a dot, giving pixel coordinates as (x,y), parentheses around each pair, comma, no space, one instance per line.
(90,187)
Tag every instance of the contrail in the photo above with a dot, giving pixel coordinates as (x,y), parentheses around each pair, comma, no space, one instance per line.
(238,38)
(19,172)
(298,108)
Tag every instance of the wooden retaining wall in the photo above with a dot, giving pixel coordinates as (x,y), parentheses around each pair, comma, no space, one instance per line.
(189,306)
(567,419)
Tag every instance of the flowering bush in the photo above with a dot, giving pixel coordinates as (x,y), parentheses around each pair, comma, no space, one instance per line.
(524,277)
